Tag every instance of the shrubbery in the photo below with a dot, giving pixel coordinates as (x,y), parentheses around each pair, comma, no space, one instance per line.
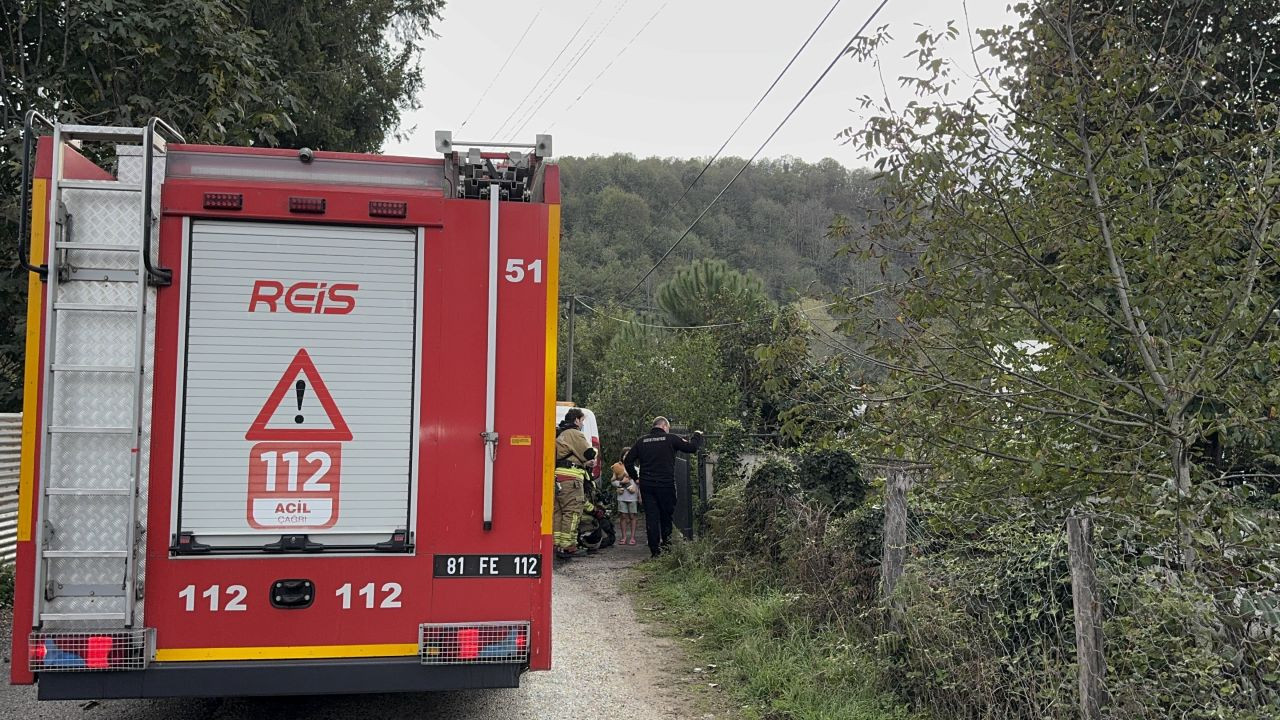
(982,624)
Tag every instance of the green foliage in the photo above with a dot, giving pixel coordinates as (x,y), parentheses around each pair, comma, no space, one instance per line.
(353,66)
(1095,276)
(1171,661)
(745,327)
(678,376)
(751,639)
(832,477)
(698,291)
(986,626)
(1081,283)
(236,72)
(771,222)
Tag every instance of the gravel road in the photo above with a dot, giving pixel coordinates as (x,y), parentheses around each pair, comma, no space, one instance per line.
(605,665)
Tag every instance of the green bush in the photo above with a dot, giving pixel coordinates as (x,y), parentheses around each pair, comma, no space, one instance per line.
(1167,654)
(984,628)
(858,539)
(832,477)
(981,625)
(748,518)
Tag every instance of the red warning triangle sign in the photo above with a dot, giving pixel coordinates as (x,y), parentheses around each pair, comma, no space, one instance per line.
(301,365)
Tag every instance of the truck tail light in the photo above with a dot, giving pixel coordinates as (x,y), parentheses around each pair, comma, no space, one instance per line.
(88,650)
(468,644)
(98,654)
(473,643)
(314,205)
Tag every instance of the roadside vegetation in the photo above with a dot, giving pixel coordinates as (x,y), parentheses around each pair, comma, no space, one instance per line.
(753,641)
(1032,469)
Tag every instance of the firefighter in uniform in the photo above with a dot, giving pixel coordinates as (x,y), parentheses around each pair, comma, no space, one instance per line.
(574,455)
(655,453)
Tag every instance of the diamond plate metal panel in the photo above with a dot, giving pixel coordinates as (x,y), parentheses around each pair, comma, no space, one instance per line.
(94,399)
(129,164)
(99,293)
(102,217)
(85,571)
(95,338)
(112,468)
(87,522)
(82,399)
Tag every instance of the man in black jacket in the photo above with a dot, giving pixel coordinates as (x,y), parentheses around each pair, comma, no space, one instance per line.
(655,453)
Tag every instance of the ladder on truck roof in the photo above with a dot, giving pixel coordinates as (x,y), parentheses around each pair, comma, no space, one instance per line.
(98,342)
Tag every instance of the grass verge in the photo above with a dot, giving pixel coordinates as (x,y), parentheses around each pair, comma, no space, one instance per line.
(754,643)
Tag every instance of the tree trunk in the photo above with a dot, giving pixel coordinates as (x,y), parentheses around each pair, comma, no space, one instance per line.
(1182,481)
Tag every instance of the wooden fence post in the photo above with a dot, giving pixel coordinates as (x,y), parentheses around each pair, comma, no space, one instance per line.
(894,542)
(1088,616)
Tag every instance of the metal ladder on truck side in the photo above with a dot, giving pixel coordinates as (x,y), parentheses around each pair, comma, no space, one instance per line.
(97,346)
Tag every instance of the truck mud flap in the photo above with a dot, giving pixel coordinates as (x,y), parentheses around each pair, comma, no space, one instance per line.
(277,677)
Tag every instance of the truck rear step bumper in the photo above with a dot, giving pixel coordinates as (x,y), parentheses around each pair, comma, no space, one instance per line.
(276,677)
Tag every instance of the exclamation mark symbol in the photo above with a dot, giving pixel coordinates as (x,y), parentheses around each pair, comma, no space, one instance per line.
(301,389)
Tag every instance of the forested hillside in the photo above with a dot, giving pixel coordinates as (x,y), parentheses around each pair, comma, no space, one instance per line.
(1039,476)
(618,219)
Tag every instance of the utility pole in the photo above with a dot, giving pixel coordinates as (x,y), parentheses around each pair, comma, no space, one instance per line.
(568,374)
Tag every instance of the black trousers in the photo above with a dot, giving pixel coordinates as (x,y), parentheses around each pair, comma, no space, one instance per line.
(659,507)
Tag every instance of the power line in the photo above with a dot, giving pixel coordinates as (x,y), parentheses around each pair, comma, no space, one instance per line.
(612,60)
(760,149)
(573,64)
(510,55)
(732,135)
(543,76)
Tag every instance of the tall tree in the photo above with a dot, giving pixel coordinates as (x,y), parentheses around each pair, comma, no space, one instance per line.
(699,290)
(1097,281)
(353,66)
(331,75)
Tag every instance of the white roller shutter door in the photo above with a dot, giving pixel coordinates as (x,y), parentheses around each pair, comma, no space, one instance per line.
(298,395)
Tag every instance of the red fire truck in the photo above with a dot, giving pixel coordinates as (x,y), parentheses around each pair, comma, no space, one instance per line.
(287,416)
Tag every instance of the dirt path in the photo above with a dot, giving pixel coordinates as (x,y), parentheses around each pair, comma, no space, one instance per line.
(605,665)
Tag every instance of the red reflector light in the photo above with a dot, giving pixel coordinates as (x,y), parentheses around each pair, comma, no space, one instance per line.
(468,644)
(386,208)
(522,640)
(306,205)
(223,201)
(37,650)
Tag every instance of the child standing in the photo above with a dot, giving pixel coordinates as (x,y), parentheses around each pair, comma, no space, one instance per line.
(628,502)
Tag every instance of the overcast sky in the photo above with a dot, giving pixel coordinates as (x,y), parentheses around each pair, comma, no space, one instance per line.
(679,89)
